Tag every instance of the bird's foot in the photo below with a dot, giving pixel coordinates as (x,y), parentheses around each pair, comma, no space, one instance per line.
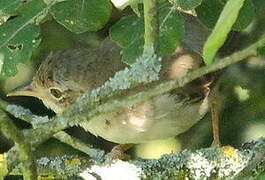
(118,152)
(215,112)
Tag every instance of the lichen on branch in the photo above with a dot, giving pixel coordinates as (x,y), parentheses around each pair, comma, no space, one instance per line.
(226,162)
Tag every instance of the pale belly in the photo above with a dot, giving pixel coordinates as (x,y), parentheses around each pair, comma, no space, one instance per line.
(159,118)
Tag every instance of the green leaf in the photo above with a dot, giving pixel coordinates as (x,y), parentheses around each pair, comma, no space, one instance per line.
(82,15)
(19,35)
(133,51)
(209,10)
(128,33)
(261,51)
(221,29)
(186,4)
(127,30)
(171,30)
(8,7)
(17,48)
(245,17)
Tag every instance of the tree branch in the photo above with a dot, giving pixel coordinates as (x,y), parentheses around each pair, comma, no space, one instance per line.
(28,116)
(25,153)
(210,163)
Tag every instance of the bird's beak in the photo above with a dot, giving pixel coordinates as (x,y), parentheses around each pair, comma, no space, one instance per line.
(23,91)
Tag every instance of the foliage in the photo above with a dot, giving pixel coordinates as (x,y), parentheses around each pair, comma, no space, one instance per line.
(186,4)
(82,16)
(221,29)
(209,11)
(129,34)
(20,34)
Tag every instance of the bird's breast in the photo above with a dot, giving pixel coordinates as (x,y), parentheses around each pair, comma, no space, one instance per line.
(158,118)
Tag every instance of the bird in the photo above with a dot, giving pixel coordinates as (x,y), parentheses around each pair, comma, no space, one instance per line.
(65,75)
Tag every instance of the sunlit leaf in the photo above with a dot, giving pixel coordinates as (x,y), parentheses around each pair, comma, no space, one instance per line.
(221,29)
(121,4)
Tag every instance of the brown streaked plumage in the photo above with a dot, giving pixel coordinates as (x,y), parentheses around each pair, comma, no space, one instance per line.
(65,75)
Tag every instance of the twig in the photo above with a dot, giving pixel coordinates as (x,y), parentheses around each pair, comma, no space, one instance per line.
(150,26)
(25,154)
(93,153)
(28,116)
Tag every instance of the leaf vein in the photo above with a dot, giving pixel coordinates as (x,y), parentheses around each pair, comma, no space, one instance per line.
(8,5)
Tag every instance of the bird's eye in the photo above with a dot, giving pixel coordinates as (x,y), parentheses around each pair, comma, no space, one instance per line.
(57,93)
